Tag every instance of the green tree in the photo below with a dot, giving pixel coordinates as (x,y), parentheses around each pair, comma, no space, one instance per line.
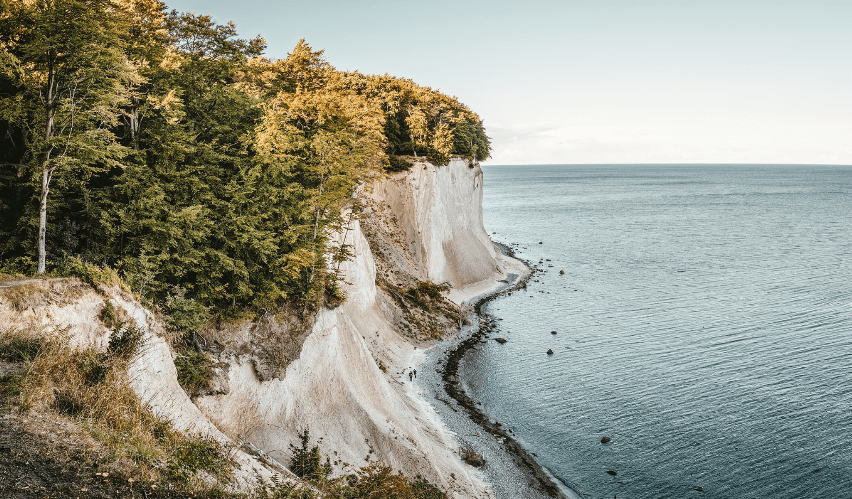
(325,140)
(66,57)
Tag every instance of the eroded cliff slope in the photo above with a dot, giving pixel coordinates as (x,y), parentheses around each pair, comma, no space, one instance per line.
(345,375)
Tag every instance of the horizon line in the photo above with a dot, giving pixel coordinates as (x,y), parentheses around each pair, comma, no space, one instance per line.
(483,163)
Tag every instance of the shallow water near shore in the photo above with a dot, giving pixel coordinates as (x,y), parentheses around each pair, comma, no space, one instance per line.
(704,323)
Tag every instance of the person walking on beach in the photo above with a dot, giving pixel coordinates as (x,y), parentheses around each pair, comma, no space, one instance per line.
(415,373)
(410,376)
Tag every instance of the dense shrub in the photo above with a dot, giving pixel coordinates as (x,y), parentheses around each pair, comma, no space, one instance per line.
(108,315)
(184,314)
(306,461)
(396,164)
(194,370)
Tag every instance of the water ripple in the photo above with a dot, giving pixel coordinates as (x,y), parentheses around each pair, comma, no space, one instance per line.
(704,323)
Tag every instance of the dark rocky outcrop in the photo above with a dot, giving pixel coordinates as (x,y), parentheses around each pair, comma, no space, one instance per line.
(469,456)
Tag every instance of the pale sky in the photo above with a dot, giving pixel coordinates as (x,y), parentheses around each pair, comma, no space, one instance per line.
(598,81)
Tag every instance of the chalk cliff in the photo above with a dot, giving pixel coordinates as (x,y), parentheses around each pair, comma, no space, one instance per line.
(342,376)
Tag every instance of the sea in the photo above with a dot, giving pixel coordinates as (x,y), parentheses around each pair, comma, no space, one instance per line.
(703,319)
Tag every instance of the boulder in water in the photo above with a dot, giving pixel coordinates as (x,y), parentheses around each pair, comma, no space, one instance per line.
(605,440)
(553,332)
(612,472)
(549,352)
(500,340)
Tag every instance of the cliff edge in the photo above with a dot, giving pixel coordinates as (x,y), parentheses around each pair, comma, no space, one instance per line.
(345,377)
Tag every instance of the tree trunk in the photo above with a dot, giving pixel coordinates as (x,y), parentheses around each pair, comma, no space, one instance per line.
(134,123)
(42,219)
(46,171)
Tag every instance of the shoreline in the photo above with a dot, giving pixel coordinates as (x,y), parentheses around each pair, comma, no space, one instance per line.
(529,472)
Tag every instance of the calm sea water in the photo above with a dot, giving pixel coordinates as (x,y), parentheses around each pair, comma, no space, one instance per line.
(704,323)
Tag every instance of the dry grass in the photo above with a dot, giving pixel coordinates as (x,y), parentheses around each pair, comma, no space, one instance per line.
(92,389)
(112,317)
(23,296)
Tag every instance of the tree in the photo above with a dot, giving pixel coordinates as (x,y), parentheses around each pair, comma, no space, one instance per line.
(66,57)
(325,140)
(146,41)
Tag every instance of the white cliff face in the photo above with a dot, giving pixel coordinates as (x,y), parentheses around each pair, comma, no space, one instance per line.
(346,378)
(439,212)
(337,390)
(336,387)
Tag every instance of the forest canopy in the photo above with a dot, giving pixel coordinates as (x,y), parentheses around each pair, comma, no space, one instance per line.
(164,146)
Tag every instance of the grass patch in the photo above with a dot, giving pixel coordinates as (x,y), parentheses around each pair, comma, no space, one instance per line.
(92,388)
(18,348)
(426,294)
(89,273)
(196,455)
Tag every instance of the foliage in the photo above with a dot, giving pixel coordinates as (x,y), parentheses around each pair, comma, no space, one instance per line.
(396,164)
(378,481)
(89,273)
(423,489)
(194,370)
(207,175)
(108,315)
(65,59)
(184,314)
(430,289)
(194,455)
(307,461)
(375,480)
(425,293)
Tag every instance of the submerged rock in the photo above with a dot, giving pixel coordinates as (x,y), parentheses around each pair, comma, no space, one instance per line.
(553,332)
(549,351)
(500,340)
(612,472)
(605,440)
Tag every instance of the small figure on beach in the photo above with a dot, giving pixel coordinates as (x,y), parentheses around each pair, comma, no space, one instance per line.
(410,376)
(415,373)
